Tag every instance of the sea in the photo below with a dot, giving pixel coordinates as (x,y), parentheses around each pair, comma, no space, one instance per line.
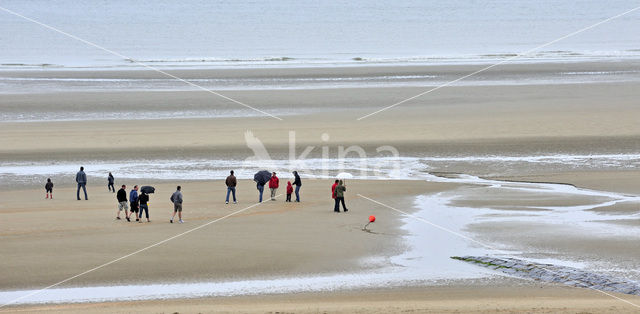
(281,33)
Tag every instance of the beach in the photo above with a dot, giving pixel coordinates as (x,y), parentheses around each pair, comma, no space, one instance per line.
(271,241)
(543,170)
(274,239)
(495,119)
(489,152)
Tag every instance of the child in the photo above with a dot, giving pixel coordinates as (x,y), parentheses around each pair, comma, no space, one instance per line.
(49,188)
(289,191)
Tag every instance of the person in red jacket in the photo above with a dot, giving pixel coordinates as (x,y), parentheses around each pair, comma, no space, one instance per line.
(333,189)
(289,191)
(274,182)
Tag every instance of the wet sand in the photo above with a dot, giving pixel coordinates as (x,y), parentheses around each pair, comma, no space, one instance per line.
(529,297)
(527,119)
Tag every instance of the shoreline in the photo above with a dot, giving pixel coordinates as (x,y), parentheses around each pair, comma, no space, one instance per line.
(29,174)
(101,82)
(294,63)
(610,64)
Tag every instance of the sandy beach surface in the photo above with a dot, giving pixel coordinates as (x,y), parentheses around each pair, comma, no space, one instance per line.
(271,239)
(482,160)
(502,298)
(494,119)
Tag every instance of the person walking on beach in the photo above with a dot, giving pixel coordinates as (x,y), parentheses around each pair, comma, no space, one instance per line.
(133,201)
(176,199)
(260,187)
(81,179)
(289,191)
(49,188)
(298,183)
(231,183)
(144,206)
(339,192)
(333,192)
(333,189)
(111,180)
(261,178)
(274,182)
(122,202)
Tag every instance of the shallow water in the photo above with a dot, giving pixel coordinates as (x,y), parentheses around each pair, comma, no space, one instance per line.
(382,168)
(10,83)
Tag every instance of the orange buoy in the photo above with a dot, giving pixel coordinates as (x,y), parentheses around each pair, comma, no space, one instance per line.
(372,218)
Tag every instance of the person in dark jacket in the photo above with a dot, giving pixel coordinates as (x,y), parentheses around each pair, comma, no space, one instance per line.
(49,188)
(81,179)
(144,206)
(231,183)
(274,182)
(298,183)
(122,202)
(111,180)
(339,192)
(133,201)
(260,187)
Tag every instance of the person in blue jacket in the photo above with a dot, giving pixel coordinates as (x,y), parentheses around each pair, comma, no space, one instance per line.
(133,203)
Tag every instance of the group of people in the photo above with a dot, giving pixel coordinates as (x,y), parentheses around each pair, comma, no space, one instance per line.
(337,189)
(138,204)
(81,180)
(274,184)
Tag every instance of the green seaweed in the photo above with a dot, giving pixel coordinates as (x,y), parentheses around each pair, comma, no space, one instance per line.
(486,264)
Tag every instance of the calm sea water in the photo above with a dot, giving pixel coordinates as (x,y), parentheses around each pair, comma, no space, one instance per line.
(283,32)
